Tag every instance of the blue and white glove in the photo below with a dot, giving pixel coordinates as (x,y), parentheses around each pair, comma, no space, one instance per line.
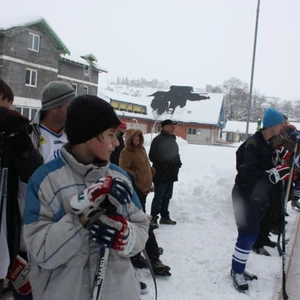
(295,135)
(120,194)
(113,231)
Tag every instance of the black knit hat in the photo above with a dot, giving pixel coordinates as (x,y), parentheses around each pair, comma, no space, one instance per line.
(87,116)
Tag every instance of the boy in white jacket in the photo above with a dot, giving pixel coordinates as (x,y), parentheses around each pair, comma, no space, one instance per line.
(63,236)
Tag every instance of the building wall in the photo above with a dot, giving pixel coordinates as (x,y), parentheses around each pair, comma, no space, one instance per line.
(208,133)
(1,44)
(17,44)
(16,58)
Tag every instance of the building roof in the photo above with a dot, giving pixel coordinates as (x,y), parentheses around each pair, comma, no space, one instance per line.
(198,112)
(82,61)
(10,25)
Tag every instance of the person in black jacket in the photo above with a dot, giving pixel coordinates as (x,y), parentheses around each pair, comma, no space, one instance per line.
(20,159)
(164,154)
(251,191)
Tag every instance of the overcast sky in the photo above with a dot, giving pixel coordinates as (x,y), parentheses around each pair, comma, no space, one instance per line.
(188,42)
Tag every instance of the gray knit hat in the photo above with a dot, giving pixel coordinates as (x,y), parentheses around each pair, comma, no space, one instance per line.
(55,94)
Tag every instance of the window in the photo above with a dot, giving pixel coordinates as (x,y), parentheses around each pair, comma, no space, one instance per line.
(85,90)
(25,112)
(34,42)
(19,109)
(194,131)
(74,86)
(33,112)
(86,70)
(31,77)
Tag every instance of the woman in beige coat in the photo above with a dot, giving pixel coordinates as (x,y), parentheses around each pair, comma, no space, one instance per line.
(134,160)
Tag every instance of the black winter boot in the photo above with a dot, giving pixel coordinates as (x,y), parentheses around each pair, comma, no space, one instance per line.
(159,268)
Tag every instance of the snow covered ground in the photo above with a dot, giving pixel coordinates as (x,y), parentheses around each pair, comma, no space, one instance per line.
(200,246)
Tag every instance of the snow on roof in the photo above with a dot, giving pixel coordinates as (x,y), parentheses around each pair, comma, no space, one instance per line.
(18,22)
(201,112)
(240,126)
(78,59)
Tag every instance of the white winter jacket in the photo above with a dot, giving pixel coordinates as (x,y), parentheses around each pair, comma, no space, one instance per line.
(63,259)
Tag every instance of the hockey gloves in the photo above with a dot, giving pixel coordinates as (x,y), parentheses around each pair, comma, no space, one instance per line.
(281,172)
(92,199)
(112,231)
(283,153)
(19,276)
(295,135)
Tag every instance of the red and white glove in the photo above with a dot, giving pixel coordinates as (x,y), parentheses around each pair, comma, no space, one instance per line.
(113,231)
(281,172)
(89,200)
(283,153)
(19,276)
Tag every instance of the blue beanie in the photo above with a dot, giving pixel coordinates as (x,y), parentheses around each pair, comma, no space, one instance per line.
(272,118)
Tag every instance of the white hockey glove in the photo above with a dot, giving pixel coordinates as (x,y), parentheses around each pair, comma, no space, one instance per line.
(281,172)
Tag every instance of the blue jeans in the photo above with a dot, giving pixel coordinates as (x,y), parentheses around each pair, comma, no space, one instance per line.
(163,192)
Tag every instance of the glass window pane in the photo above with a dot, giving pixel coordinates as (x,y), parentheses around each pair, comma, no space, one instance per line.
(27,78)
(33,78)
(26,112)
(33,112)
(19,109)
(36,42)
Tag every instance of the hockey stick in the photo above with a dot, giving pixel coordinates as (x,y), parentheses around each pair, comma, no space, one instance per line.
(3,191)
(151,270)
(100,273)
(285,200)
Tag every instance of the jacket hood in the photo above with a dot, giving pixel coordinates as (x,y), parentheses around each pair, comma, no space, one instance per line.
(130,133)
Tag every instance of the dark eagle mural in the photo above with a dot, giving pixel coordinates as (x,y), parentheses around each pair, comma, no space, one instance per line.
(176,96)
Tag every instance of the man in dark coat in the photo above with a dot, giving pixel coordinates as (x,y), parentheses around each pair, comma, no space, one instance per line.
(164,154)
(251,191)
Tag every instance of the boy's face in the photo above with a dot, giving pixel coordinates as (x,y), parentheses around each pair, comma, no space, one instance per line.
(104,144)
(4,102)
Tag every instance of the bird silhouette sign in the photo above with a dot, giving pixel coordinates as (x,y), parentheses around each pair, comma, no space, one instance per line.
(176,96)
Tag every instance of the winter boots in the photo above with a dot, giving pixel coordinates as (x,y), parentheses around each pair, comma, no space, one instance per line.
(138,261)
(167,221)
(143,288)
(261,251)
(159,268)
(154,223)
(270,243)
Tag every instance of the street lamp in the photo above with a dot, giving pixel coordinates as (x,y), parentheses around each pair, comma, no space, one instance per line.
(136,122)
(152,129)
(252,71)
